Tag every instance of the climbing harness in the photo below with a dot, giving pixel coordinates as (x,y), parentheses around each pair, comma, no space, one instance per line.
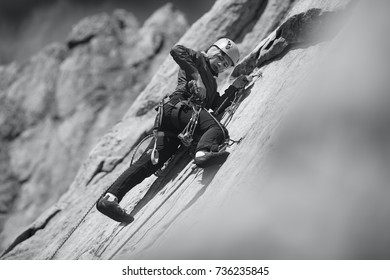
(186,136)
(195,102)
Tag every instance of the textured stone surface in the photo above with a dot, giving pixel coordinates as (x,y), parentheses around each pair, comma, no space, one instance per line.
(56,105)
(289,190)
(309,27)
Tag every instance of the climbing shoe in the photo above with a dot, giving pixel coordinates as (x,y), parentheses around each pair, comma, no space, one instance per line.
(204,159)
(109,206)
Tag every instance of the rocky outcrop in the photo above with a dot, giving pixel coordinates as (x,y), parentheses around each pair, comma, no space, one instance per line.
(309,27)
(56,105)
(305,181)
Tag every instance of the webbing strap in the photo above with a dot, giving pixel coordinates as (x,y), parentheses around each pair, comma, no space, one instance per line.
(175,114)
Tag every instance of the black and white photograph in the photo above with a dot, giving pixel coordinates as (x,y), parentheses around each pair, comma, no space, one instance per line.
(195,130)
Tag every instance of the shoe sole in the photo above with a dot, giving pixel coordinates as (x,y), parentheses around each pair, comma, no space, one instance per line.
(122,218)
(206,161)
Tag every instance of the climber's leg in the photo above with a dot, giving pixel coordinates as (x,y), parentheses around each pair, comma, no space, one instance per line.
(213,134)
(135,174)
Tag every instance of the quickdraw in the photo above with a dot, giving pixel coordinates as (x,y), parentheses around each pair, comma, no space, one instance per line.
(187,135)
(228,143)
(196,103)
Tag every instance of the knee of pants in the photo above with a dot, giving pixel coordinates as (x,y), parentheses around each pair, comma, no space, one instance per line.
(221,131)
(150,168)
(225,132)
(211,139)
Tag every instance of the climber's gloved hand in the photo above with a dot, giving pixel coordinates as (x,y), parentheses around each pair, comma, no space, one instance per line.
(197,89)
(201,89)
(241,81)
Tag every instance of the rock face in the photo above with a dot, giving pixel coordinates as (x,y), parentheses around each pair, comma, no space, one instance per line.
(56,105)
(307,181)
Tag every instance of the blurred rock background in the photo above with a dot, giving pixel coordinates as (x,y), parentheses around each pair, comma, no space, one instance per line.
(308,181)
(57,103)
(27,26)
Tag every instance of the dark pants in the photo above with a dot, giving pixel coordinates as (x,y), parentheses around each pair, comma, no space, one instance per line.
(208,131)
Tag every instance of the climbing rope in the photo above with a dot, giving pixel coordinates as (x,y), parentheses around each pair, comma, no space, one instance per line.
(138,146)
(69,234)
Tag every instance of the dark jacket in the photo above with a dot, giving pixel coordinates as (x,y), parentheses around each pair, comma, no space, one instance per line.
(192,64)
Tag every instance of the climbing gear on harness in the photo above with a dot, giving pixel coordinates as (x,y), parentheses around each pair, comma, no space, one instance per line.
(160,113)
(195,102)
(186,136)
(228,47)
(136,153)
(154,156)
(109,206)
(157,136)
(144,143)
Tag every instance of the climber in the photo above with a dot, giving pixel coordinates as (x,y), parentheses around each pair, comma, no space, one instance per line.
(185,110)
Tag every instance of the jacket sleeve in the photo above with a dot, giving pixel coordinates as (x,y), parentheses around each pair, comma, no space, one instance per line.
(224,101)
(186,59)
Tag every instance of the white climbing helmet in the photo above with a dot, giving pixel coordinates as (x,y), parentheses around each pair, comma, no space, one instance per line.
(229,48)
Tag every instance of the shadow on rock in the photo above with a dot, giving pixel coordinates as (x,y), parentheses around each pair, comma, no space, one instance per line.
(179,162)
(208,175)
(173,170)
(212,168)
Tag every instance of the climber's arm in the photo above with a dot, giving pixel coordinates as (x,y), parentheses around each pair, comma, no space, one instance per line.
(186,59)
(224,101)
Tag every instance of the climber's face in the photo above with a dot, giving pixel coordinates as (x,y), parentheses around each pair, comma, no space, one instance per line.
(220,62)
